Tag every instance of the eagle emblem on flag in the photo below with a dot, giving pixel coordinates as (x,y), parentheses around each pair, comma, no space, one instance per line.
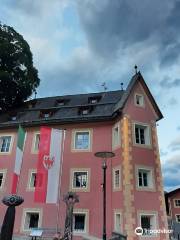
(48,161)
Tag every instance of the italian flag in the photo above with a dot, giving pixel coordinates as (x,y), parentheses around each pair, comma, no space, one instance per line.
(18,160)
(49,165)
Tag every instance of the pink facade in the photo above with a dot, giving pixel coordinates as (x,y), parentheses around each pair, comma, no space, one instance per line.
(138,197)
(173,205)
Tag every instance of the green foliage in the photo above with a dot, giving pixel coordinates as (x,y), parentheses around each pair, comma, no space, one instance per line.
(18,77)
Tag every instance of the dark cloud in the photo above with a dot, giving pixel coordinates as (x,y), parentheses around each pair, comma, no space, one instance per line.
(171,172)
(168,83)
(112,26)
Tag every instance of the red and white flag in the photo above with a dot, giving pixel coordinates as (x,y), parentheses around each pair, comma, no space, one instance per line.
(49,162)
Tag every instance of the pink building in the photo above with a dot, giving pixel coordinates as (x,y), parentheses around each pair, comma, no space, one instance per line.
(173,205)
(122,121)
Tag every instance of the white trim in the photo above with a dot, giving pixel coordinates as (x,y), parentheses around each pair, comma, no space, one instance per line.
(30,210)
(73,139)
(80,189)
(151,186)
(86,224)
(114,143)
(118,211)
(113,180)
(33,150)
(176,199)
(29,188)
(4,172)
(11,143)
(177,217)
(147,135)
(148,213)
(142,98)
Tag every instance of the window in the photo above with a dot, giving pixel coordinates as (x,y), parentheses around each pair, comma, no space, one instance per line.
(117,221)
(80,221)
(85,110)
(142,134)
(116,136)
(139,100)
(82,140)
(177,202)
(32,180)
(93,100)
(116,178)
(178,218)
(5,143)
(148,222)
(32,218)
(144,178)
(2,178)
(36,142)
(80,179)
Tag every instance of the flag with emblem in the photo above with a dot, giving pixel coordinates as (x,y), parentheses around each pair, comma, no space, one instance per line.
(48,167)
(18,160)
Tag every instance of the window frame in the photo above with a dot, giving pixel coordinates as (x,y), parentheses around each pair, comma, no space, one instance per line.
(31,210)
(73,141)
(147,135)
(176,215)
(79,189)
(118,144)
(33,150)
(142,105)
(11,143)
(116,212)
(86,224)
(148,213)
(176,199)
(115,188)
(31,171)
(4,172)
(151,186)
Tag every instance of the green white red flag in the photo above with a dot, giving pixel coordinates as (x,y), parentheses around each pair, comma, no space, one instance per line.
(18,160)
(49,162)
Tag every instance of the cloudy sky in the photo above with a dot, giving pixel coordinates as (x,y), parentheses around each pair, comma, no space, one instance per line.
(79,44)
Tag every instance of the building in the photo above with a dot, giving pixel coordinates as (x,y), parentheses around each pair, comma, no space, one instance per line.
(173,204)
(122,121)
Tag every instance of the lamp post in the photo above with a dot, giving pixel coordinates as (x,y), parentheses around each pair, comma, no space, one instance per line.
(104,155)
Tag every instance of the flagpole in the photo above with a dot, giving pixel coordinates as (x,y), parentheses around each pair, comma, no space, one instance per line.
(59,188)
(17,188)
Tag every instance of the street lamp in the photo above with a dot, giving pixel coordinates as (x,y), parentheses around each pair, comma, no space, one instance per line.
(104,155)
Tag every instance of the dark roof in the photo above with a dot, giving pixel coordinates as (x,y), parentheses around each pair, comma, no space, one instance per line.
(173,192)
(108,106)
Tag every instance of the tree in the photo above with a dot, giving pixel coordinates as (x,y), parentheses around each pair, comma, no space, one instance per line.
(18,77)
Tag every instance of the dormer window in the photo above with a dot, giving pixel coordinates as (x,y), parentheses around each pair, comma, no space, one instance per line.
(61,102)
(139,100)
(14,118)
(85,110)
(46,114)
(94,100)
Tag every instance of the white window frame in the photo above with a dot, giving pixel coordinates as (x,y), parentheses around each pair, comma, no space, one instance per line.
(147,134)
(30,210)
(73,144)
(116,188)
(149,213)
(11,143)
(34,150)
(29,187)
(175,205)
(86,224)
(116,142)
(177,218)
(151,186)
(118,212)
(79,189)
(4,172)
(142,104)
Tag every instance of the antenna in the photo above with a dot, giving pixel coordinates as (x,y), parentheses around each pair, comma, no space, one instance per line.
(35,94)
(122,85)
(135,67)
(104,85)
